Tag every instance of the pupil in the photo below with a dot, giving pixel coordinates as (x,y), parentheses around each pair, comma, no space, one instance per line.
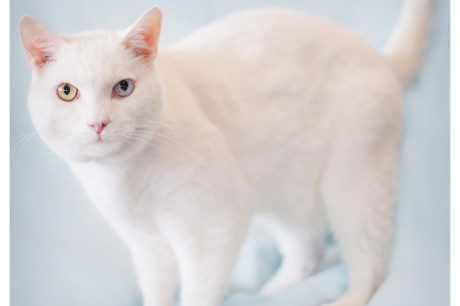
(124,85)
(66,89)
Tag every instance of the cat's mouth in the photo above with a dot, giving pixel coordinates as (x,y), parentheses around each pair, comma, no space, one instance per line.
(109,144)
(100,146)
(98,140)
(102,138)
(104,141)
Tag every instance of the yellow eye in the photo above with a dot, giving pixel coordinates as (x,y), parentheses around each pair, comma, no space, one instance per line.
(67,92)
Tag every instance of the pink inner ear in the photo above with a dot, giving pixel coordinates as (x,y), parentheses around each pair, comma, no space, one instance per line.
(40,55)
(39,42)
(141,43)
(143,38)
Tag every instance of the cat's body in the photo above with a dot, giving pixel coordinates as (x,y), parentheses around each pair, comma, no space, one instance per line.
(268,111)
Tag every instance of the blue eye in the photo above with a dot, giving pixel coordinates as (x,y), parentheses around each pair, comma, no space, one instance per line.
(124,88)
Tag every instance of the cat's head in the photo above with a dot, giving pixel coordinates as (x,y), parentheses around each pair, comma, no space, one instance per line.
(95,95)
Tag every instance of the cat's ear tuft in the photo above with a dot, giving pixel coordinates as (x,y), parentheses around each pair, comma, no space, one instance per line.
(40,43)
(142,38)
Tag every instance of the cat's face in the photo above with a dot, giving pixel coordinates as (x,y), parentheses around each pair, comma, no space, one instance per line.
(95,95)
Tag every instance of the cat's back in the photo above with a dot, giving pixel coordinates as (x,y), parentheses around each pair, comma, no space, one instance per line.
(273,57)
(253,33)
(265,51)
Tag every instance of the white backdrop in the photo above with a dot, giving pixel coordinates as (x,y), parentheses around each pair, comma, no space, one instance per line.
(64,253)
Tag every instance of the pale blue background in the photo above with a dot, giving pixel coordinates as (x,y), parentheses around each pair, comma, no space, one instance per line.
(64,253)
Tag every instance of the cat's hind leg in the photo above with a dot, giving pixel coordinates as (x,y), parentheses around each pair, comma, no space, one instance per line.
(301,250)
(358,191)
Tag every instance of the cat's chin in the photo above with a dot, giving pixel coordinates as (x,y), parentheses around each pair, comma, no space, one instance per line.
(94,151)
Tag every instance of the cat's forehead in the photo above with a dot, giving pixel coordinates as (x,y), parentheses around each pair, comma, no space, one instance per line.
(94,38)
(95,54)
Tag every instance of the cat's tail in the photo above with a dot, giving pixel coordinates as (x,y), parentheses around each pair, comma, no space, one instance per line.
(404,49)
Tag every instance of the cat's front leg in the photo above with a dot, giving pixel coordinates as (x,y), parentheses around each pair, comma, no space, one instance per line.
(206,256)
(205,270)
(155,268)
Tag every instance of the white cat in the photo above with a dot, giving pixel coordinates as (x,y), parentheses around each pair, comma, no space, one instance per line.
(268,111)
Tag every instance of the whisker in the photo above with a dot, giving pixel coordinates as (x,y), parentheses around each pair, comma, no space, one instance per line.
(20,143)
(155,143)
(156,137)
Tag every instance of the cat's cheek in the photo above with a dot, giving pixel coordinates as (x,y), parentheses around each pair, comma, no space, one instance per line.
(59,143)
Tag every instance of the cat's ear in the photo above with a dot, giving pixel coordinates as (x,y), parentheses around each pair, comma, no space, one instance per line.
(142,38)
(40,43)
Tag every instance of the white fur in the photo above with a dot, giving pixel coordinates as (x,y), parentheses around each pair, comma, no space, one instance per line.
(267,111)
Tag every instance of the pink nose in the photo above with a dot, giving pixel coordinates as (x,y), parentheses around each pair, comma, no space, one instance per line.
(99,126)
